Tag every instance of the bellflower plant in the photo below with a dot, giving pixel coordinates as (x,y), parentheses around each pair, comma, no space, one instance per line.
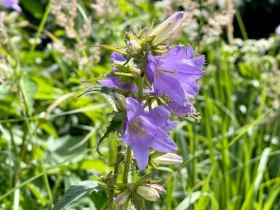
(149,82)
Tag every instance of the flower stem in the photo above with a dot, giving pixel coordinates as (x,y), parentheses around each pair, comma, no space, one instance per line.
(116,171)
(140,89)
(126,165)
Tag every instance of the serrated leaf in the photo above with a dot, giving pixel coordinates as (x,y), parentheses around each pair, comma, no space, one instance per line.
(75,192)
(115,124)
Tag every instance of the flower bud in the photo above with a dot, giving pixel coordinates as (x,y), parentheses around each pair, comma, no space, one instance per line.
(163,31)
(167,159)
(132,68)
(148,193)
(134,46)
(123,197)
(119,101)
(154,103)
(158,188)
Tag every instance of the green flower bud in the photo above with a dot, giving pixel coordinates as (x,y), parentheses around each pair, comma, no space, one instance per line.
(148,193)
(123,197)
(164,30)
(134,46)
(119,101)
(168,159)
(158,188)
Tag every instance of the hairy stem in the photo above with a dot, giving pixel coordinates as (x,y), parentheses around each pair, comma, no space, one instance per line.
(126,165)
(115,175)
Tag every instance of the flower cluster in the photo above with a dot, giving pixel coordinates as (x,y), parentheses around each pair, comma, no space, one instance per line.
(153,81)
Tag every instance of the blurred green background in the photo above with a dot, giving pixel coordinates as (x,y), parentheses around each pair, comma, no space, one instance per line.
(51,52)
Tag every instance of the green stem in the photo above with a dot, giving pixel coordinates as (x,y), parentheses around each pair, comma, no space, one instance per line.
(140,89)
(241,25)
(41,26)
(126,165)
(229,6)
(115,175)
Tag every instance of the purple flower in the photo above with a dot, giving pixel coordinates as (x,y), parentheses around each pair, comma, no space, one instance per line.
(175,74)
(147,129)
(181,111)
(11,4)
(113,81)
(277,30)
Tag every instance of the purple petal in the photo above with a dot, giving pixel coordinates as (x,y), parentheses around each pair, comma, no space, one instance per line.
(11,4)
(190,52)
(159,116)
(160,141)
(171,86)
(133,107)
(114,82)
(191,88)
(157,138)
(199,61)
(141,155)
(181,111)
(176,53)
(277,30)
(147,129)
(117,57)
(16,8)
(151,67)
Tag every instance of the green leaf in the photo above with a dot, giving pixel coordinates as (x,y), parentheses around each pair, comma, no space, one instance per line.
(189,200)
(111,47)
(100,89)
(29,89)
(75,192)
(115,124)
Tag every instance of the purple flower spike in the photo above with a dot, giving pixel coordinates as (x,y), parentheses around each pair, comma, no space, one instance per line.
(11,4)
(113,81)
(147,129)
(175,74)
